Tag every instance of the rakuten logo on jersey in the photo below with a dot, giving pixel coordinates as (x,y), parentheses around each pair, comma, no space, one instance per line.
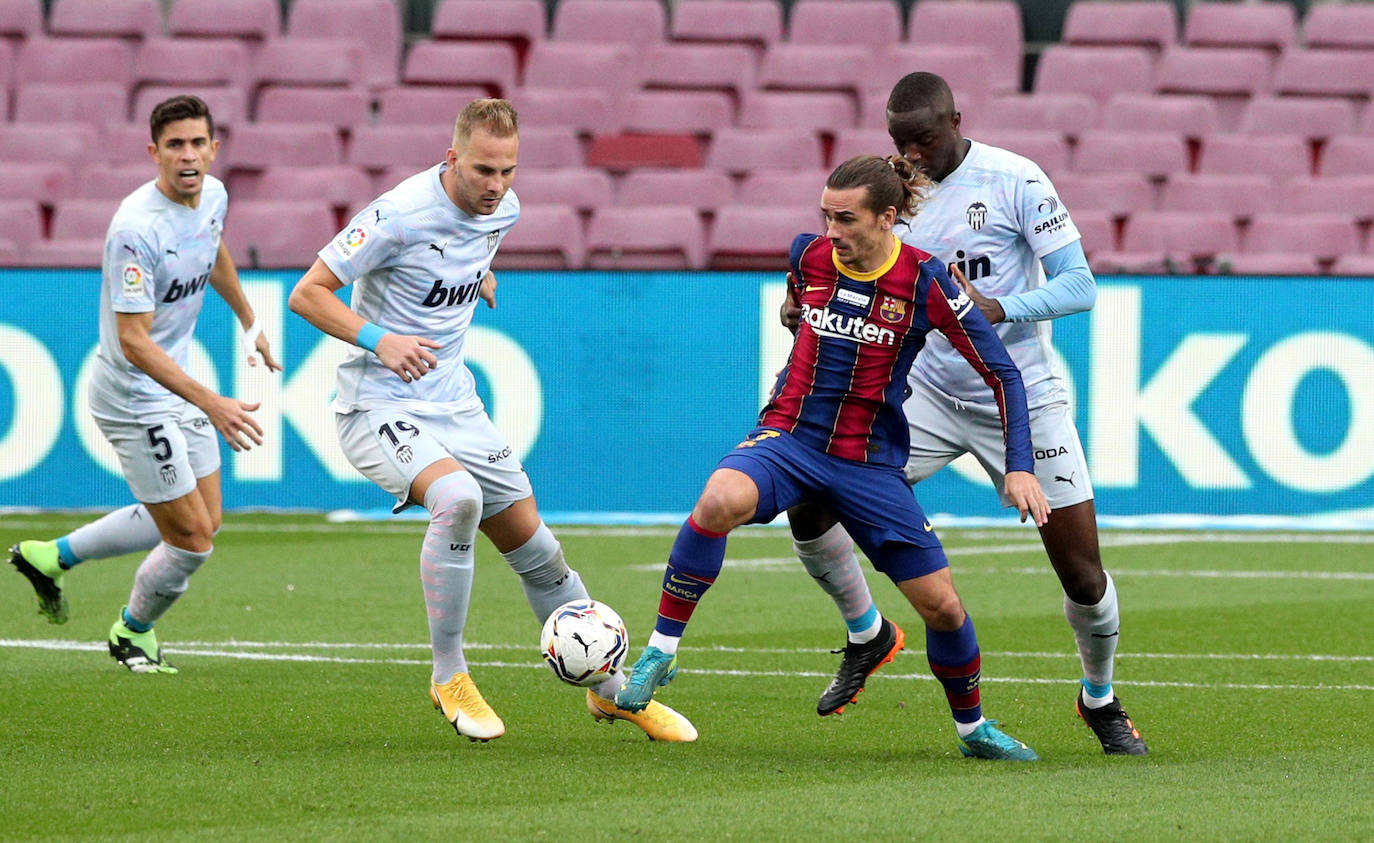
(853,328)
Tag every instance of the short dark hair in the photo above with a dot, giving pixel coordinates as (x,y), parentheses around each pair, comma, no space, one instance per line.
(920,90)
(891,182)
(180,107)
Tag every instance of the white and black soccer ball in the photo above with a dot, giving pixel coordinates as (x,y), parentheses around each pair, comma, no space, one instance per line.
(584,642)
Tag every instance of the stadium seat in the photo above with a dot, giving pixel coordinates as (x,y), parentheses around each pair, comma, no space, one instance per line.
(281,234)
(415,104)
(375,25)
(1287,155)
(107,60)
(1098,72)
(585,110)
(707,67)
(518,22)
(606,67)
(754,23)
(646,237)
(1230,75)
(1066,114)
(127,143)
(35,181)
(851,142)
(261,145)
(6,72)
(869,24)
(1114,23)
(700,190)
(632,22)
(746,150)
(1347,156)
(1098,230)
(20,19)
(113,181)
(1116,194)
(1325,235)
(342,108)
(841,68)
(1351,265)
(1272,26)
(253,21)
(411,148)
(783,189)
(338,185)
(192,61)
(1352,195)
(543,146)
(675,112)
(1153,154)
(1190,116)
(1048,149)
(800,111)
(621,152)
(994,25)
(136,19)
(491,66)
(584,188)
(95,103)
(964,68)
(1181,235)
(309,61)
(20,220)
(78,219)
(69,144)
(546,237)
(1242,196)
(1325,73)
(1339,25)
(228,103)
(758,237)
(1317,118)
(1267,263)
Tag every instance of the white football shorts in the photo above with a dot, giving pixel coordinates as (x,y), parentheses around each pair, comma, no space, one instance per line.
(162,457)
(943,428)
(391,448)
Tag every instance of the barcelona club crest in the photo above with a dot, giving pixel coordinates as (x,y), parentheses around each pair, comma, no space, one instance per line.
(892,310)
(977,215)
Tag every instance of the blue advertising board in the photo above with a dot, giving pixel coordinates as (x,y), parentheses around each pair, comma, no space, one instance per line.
(619,391)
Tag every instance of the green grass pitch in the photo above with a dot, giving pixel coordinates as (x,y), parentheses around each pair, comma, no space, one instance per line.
(301,710)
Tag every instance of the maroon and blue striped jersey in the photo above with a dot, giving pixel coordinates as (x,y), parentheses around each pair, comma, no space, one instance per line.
(842,389)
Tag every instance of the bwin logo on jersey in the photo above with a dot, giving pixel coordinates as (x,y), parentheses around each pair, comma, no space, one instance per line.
(853,328)
(977,214)
(439,295)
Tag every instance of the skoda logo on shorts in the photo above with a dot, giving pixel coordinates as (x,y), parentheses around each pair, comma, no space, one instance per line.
(404,454)
(977,214)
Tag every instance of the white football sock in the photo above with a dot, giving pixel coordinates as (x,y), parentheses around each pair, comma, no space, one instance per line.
(161,579)
(830,560)
(1096,629)
(545,576)
(666,643)
(126,530)
(454,502)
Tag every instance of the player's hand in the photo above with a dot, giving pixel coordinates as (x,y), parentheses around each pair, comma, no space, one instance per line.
(991,308)
(231,418)
(1023,488)
(487,290)
(789,314)
(408,356)
(254,342)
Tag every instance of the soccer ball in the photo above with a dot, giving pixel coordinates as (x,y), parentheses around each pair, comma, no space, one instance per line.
(584,642)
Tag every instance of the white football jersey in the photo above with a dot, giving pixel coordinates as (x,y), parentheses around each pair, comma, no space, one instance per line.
(995,216)
(158,257)
(416,262)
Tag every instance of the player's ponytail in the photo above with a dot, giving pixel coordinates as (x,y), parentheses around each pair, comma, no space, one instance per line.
(892,182)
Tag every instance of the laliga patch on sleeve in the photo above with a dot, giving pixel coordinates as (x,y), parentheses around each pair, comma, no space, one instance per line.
(133,280)
(352,241)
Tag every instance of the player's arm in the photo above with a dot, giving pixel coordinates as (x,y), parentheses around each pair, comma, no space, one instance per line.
(229,415)
(789,312)
(314,300)
(1070,287)
(224,277)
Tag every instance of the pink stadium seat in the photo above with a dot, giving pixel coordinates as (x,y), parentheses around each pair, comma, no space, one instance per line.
(95,103)
(46,143)
(1249,154)
(1317,118)
(1339,25)
(621,152)
(1272,26)
(1065,114)
(1353,195)
(297,60)
(633,22)
(783,189)
(78,219)
(6,71)
(127,143)
(1132,23)
(546,237)
(1048,149)
(1268,263)
(35,181)
(816,67)
(21,18)
(710,67)
(1098,72)
(491,66)
(701,190)
(113,181)
(1190,116)
(1350,265)
(583,188)
(1230,75)
(964,68)
(278,234)
(341,107)
(74,60)
(254,21)
(607,67)
(756,23)
(375,25)
(1242,196)
(585,110)
(746,150)
(338,185)
(411,148)
(1327,73)
(1153,154)
(423,104)
(83,253)
(994,25)
(646,237)
(520,22)
(864,23)
(228,103)
(115,18)
(1115,194)
(20,220)
(1182,235)
(1326,235)
(851,142)
(192,61)
(758,237)
(1097,229)
(261,145)
(797,110)
(1348,156)
(545,146)
(690,112)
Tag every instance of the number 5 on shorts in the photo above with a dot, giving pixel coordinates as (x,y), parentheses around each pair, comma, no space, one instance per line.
(162,449)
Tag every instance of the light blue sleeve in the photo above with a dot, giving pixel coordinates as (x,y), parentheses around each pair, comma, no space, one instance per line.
(1069,288)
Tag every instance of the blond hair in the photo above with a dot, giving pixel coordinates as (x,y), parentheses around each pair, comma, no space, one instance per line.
(491,115)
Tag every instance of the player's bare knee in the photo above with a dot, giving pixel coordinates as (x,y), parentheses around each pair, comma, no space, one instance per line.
(942,610)
(809,521)
(1084,584)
